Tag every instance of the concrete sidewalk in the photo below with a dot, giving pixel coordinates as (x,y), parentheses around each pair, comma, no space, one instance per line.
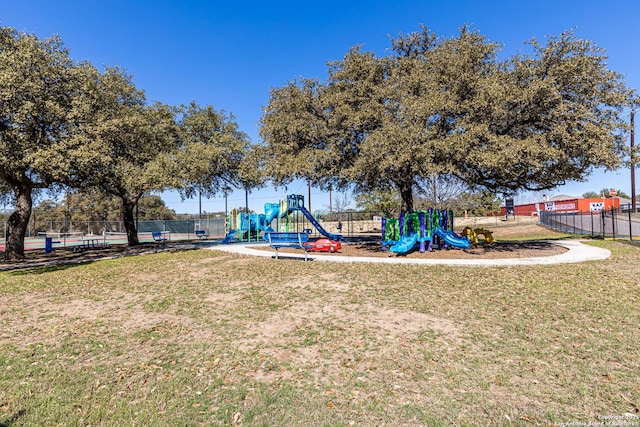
(577,252)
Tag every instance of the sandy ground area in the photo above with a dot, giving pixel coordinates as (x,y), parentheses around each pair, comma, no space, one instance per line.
(496,250)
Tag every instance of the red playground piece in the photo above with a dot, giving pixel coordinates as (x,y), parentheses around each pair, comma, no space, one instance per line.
(324,245)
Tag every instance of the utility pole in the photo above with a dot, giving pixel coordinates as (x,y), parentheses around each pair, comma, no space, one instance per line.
(633,165)
(246,205)
(226,206)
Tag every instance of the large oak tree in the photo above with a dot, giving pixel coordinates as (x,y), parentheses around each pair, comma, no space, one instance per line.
(39,91)
(145,148)
(131,143)
(68,124)
(450,107)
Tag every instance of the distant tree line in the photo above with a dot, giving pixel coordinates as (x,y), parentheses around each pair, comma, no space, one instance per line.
(80,208)
(605,193)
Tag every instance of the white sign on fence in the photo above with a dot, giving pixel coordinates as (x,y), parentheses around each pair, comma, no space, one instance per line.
(596,206)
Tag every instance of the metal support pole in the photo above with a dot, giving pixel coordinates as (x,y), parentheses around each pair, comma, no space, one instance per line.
(226,206)
(613,222)
(246,204)
(633,165)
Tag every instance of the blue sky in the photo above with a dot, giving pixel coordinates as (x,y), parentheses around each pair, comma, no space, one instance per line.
(229,54)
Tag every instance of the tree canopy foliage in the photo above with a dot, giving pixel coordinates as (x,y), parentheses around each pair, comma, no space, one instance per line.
(449,107)
(130,141)
(212,152)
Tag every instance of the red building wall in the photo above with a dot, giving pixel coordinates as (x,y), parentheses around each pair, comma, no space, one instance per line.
(569,205)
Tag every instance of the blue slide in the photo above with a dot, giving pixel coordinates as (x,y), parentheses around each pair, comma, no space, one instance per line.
(452,238)
(271,210)
(263,224)
(230,236)
(405,244)
(317,225)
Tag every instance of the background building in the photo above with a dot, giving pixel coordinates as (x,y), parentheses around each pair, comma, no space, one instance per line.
(565,204)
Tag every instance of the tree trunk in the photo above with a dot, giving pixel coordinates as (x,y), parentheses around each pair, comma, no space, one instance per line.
(434,184)
(18,223)
(406,194)
(128,206)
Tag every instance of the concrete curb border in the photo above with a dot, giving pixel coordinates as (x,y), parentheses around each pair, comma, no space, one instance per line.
(577,252)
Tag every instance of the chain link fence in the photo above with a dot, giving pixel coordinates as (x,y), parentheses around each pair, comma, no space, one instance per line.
(215,227)
(614,223)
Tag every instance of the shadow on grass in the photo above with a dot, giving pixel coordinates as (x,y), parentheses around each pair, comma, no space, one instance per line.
(13,418)
(27,271)
(635,243)
(59,260)
(291,258)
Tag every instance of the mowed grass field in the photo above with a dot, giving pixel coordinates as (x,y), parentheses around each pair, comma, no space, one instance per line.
(203,337)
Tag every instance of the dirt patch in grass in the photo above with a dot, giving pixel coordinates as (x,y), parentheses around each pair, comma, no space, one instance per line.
(247,341)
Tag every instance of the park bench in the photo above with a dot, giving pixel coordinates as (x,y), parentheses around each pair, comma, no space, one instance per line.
(201,233)
(294,240)
(159,236)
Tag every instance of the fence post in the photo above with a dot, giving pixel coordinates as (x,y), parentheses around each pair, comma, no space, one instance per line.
(630,228)
(350,222)
(613,222)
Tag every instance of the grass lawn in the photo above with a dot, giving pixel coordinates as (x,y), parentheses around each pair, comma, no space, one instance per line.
(207,338)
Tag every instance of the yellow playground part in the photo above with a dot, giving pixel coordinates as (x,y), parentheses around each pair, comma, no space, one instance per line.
(472,234)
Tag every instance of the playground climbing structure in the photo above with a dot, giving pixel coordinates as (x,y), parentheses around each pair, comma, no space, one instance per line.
(247,227)
(423,228)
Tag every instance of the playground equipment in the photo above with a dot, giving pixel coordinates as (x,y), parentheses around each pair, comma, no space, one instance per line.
(246,227)
(296,203)
(324,245)
(472,234)
(404,233)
